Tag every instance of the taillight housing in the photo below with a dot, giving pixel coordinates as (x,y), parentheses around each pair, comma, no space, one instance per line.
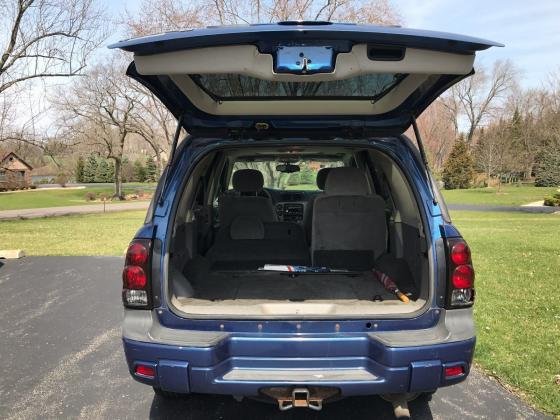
(460,274)
(137,287)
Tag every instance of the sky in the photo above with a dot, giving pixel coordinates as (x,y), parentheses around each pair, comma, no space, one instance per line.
(529,29)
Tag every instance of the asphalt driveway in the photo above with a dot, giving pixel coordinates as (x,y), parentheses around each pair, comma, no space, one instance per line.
(62,358)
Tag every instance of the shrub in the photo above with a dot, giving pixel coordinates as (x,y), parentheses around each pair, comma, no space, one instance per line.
(552,200)
(458,170)
(90,196)
(61,179)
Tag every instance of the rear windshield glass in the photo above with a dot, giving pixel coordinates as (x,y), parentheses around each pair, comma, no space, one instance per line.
(304,179)
(238,86)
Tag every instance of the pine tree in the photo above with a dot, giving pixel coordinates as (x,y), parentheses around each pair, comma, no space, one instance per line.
(458,171)
(90,169)
(151,170)
(547,173)
(103,173)
(80,169)
(139,172)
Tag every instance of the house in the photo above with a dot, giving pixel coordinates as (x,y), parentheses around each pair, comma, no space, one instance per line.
(44,175)
(14,172)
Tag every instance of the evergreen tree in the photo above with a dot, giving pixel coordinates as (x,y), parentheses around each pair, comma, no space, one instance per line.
(111,172)
(103,173)
(151,170)
(80,170)
(458,171)
(90,169)
(547,173)
(139,172)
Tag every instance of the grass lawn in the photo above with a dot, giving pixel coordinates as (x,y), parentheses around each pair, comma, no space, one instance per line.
(33,199)
(90,234)
(517,262)
(509,195)
(303,187)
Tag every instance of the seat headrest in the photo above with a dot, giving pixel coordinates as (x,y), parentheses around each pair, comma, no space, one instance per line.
(346,181)
(247,181)
(322,177)
(246,227)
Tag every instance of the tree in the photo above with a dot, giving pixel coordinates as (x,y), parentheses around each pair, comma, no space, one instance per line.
(139,171)
(99,108)
(105,171)
(165,15)
(476,98)
(458,170)
(151,170)
(79,175)
(90,169)
(46,38)
(548,170)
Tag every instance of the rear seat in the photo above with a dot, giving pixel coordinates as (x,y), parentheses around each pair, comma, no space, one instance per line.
(250,243)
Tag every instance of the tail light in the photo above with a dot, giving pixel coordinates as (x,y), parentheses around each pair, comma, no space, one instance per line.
(460,272)
(136,275)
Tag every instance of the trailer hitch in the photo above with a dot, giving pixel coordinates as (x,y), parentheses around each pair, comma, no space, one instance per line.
(300,397)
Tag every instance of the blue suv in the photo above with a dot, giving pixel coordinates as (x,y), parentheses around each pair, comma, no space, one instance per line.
(297,248)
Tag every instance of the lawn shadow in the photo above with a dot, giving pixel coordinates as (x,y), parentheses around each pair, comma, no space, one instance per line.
(225,407)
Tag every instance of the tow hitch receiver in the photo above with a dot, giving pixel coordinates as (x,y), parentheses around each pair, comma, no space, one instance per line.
(300,397)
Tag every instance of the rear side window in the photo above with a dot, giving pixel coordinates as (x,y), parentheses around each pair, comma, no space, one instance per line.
(238,86)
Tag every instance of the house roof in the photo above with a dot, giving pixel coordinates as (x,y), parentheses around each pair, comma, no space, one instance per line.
(17,157)
(44,171)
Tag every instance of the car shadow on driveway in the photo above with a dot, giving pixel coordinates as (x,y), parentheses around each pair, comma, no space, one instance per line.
(225,407)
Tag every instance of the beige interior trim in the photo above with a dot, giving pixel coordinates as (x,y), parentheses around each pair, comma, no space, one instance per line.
(279,308)
(246,59)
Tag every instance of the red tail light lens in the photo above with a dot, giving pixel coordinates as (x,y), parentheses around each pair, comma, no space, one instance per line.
(460,292)
(145,370)
(463,277)
(136,275)
(460,253)
(137,254)
(453,371)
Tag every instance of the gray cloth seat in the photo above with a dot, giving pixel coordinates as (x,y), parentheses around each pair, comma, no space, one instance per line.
(250,243)
(349,229)
(321,179)
(244,199)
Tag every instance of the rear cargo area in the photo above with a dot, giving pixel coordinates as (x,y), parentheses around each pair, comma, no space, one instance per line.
(331,244)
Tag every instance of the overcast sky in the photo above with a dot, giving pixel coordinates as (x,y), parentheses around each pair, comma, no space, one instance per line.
(529,29)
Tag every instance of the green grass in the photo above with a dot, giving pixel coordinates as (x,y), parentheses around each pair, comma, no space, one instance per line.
(32,199)
(91,234)
(302,187)
(508,195)
(517,261)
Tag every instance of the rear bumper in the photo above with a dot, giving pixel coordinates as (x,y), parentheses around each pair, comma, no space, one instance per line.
(356,364)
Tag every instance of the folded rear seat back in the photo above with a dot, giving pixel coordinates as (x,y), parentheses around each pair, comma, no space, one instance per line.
(249,243)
